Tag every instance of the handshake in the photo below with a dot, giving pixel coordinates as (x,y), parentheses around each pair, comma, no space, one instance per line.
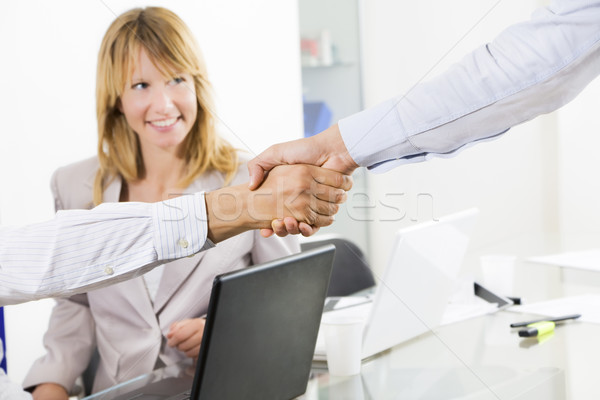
(291,199)
(295,187)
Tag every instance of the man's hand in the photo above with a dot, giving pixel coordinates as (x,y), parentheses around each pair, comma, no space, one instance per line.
(327,150)
(186,336)
(304,193)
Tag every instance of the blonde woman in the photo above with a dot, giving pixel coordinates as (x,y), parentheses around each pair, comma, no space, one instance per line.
(157,139)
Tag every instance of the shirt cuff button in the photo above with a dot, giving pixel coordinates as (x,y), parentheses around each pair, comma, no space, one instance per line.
(183,243)
(109,270)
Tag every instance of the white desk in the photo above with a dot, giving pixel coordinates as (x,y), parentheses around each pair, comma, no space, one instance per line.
(481,358)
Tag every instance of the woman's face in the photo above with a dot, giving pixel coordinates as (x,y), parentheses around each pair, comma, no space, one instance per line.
(160,110)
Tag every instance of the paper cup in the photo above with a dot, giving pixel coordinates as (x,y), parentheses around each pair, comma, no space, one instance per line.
(343,345)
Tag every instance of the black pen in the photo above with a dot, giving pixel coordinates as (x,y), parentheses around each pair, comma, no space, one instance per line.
(558,319)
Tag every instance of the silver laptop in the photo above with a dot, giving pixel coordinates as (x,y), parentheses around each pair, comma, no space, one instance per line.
(413,292)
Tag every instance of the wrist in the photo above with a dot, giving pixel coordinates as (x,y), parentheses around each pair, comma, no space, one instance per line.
(334,151)
(226,211)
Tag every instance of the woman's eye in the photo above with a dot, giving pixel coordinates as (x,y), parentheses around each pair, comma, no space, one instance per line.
(139,85)
(177,80)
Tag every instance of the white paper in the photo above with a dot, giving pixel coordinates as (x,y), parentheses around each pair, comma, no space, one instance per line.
(588,305)
(588,259)
(459,312)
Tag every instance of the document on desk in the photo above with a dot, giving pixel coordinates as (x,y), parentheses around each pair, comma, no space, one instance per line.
(460,312)
(588,305)
(588,259)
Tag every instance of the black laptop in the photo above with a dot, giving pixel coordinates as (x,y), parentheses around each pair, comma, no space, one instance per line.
(260,334)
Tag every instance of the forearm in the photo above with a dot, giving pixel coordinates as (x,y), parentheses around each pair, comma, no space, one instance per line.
(530,69)
(81,250)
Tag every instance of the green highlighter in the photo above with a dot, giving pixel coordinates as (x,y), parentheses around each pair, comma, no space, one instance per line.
(537,329)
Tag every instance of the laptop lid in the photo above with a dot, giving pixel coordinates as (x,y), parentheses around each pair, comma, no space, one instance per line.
(259,337)
(261,329)
(418,281)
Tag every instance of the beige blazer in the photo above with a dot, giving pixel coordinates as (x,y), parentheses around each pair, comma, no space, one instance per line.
(121,320)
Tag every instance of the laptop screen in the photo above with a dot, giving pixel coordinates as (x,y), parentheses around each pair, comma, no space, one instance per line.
(262,327)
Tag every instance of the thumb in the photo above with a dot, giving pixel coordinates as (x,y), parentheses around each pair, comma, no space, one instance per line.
(264,162)
(257,174)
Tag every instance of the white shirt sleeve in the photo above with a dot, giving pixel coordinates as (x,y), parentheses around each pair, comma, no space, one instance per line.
(81,250)
(529,69)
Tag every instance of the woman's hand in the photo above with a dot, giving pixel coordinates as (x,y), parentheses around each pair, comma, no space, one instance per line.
(50,391)
(186,336)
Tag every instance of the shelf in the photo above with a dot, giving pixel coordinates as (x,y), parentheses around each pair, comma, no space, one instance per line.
(334,65)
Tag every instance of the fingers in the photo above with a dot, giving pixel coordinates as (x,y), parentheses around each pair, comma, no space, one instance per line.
(332,178)
(191,346)
(278,227)
(328,194)
(292,194)
(266,233)
(307,230)
(290,226)
(186,336)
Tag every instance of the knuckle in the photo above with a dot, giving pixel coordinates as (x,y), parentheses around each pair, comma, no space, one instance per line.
(326,221)
(303,170)
(311,217)
(349,182)
(339,180)
(340,196)
(335,208)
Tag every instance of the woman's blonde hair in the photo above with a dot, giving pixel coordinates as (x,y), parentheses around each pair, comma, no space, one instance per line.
(173,49)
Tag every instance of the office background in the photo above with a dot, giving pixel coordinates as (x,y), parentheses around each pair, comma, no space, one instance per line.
(539,179)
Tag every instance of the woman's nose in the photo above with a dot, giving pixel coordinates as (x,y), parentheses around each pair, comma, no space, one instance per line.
(162,101)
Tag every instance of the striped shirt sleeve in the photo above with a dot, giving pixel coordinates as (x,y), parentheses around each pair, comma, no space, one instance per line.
(81,250)
(530,69)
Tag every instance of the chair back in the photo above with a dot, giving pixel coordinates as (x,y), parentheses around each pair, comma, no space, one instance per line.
(351,272)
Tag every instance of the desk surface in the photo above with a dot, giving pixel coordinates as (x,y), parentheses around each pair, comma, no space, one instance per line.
(480,358)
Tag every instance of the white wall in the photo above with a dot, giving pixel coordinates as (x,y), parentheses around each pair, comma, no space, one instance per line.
(47,81)
(579,141)
(510,179)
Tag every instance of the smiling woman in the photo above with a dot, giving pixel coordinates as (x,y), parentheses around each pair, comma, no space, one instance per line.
(156,139)
(150,70)
(49,118)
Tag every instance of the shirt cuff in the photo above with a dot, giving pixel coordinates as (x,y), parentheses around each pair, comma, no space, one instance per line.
(376,135)
(180,226)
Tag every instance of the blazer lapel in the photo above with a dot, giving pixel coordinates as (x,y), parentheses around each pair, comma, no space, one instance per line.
(175,274)
(135,292)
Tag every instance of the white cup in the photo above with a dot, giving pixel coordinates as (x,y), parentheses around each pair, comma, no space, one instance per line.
(499,273)
(343,345)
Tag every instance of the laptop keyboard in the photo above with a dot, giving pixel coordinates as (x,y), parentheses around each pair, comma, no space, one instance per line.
(182,396)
